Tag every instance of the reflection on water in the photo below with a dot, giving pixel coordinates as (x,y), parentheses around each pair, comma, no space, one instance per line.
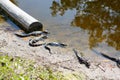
(101,18)
(97,21)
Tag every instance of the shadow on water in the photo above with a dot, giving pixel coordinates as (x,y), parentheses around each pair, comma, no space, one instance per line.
(101,18)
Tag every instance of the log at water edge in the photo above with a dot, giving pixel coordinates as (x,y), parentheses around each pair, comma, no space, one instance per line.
(27,22)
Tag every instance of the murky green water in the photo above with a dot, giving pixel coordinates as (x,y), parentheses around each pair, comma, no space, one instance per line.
(83,24)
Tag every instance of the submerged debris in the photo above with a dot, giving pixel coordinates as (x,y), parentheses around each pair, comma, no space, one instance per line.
(81,59)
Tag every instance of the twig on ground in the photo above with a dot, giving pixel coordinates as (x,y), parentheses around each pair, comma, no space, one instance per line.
(99,66)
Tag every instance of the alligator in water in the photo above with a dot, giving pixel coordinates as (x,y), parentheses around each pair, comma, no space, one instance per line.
(108,57)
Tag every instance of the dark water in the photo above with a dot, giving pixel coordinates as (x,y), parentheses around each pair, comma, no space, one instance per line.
(83,24)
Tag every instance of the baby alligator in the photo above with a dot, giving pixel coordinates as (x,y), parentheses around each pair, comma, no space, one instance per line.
(108,57)
(33,41)
(53,44)
(81,60)
(35,33)
(111,58)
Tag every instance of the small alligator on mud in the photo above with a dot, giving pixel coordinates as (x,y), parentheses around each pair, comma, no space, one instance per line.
(32,42)
(34,33)
(57,44)
(43,36)
(112,59)
(108,57)
(81,59)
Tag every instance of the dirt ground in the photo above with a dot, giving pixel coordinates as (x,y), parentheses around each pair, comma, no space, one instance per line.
(62,59)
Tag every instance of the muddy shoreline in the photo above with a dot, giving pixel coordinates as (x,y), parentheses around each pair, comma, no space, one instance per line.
(62,59)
